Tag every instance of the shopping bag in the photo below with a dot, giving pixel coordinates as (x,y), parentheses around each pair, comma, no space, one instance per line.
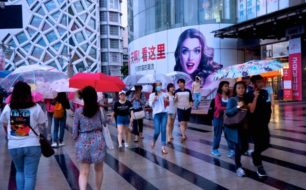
(108,138)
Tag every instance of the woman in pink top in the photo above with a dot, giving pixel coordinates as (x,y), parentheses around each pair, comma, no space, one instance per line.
(221,100)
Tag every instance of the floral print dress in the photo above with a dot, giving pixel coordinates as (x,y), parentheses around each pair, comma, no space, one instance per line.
(90,143)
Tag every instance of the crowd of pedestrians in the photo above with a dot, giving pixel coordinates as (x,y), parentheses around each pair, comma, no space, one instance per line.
(21,116)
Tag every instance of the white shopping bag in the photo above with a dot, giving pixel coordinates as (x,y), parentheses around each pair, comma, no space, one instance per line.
(108,138)
(106,132)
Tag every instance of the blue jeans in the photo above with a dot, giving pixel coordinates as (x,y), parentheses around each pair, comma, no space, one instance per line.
(26,161)
(197,99)
(160,126)
(218,127)
(59,123)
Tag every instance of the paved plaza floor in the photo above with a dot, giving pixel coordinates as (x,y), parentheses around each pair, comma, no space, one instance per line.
(187,166)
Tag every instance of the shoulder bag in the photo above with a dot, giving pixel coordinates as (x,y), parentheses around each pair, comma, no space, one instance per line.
(235,120)
(45,146)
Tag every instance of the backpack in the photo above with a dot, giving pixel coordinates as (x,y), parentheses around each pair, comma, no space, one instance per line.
(59,111)
(211,110)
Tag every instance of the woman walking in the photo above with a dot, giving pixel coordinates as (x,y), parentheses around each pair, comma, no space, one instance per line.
(171,109)
(60,116)
(18,118)
(238,135)
(88,132)
(196,91)
(138,100)
(122,116)
(221,100)
(159,101)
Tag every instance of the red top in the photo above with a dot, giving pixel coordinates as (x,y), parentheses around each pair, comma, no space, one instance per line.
(219,109)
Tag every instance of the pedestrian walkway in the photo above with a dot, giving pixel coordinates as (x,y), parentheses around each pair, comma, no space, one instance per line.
(187,166)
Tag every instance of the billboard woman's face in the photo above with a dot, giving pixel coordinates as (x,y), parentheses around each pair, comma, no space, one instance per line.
(190,55)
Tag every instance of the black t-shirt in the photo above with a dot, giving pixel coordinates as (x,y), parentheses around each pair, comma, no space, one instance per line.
(122,109)
(262,108)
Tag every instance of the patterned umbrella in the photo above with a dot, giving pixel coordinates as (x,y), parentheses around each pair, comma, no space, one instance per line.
(254,67)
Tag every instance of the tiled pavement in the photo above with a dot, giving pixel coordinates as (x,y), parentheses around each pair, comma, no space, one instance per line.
(187,166)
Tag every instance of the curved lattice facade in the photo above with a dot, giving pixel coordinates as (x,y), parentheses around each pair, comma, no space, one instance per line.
(54,32)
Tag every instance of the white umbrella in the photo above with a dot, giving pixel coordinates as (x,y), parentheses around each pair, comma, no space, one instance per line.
(131,80)
(35,67)
(152,78)
(176,75)
(61,86)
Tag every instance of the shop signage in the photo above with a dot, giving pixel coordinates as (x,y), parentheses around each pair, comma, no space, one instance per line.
(295,67)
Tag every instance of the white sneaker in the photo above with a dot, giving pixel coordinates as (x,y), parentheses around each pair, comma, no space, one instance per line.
(240,172)
(61,144)
(54,145)
(126,145)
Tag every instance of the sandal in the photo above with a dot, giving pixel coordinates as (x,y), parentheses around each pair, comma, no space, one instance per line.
(164,151)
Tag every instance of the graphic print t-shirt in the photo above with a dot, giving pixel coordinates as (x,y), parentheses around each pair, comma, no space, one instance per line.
(123,109)
(19,133)
(20,122)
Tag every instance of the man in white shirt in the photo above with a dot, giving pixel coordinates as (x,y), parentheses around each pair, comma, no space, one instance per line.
(183,99)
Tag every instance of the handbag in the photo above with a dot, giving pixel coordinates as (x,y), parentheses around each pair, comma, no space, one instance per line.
(46,149)
(235,120)
(106,133)
(139,114)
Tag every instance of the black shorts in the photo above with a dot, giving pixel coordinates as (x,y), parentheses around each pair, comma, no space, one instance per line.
(183,115)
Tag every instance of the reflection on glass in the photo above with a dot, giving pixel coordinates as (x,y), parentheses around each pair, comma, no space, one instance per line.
(50,5)
(27,47)
(78,6)
(57,46)
(36,21)
(41,11)
(51,36)
(56,15)
(37,52)
(21,37)
(30,31)
(93,52)
(79,37)
(42,42)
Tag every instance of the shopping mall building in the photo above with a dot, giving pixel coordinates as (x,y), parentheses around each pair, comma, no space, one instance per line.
(224,32)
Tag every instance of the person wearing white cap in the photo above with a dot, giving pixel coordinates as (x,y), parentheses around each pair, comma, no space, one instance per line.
(121,114)
(159,101)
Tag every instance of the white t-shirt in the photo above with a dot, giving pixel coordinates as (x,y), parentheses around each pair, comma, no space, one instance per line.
(196,87)
(158,106)
(171,108)
(18,133)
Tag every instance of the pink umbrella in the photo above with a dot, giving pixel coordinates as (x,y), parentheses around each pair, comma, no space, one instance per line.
(37,97)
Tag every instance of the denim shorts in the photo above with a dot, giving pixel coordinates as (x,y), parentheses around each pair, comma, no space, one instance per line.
(123,120)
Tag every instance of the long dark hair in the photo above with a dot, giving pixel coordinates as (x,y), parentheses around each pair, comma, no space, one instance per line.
(235,86)
(63,99)
(91,106)
(203,67)
(21,96)
(221,84)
